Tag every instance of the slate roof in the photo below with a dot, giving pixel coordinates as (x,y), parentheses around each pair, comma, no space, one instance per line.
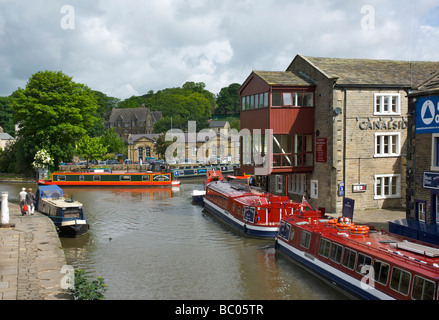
(283,78)
(218,124)
(6,136)
(128,114)
(431,84)
(151,136)
(374,72)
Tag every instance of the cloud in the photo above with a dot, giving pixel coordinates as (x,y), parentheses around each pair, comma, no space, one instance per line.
(125,48)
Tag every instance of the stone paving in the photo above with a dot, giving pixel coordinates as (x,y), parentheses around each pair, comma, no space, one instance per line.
(31,259)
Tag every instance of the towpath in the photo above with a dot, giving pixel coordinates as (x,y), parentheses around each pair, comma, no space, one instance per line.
(31,259)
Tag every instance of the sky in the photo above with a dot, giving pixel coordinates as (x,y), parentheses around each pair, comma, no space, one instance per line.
(129,47)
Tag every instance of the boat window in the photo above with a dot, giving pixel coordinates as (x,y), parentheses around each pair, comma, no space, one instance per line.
(305,239)
(363,261)
(61,178)
(96,178)
(125,178)
(324,247)
(336,251)
(400,280)
(146,178)
(284,230)
(381,271)
(423,289)
(349,257)
(81,178)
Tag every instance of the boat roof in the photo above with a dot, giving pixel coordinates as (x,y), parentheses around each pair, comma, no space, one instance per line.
(244,194)
(48,190)
(379,244)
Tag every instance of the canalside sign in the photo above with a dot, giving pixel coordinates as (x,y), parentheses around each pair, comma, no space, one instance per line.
(427,115)
(431,180)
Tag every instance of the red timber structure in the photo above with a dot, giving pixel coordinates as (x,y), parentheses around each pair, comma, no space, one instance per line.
(283,102)
(361,262)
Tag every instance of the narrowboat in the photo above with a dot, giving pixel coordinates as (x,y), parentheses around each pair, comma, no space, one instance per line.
(157,175)
(360,261)
(211,175)
(253,213)
(199,170)
(66,214)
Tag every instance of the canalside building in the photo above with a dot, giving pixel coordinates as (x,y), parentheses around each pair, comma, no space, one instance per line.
(422,220)
(339,128)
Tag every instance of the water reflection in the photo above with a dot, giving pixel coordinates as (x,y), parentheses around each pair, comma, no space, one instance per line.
(154,244)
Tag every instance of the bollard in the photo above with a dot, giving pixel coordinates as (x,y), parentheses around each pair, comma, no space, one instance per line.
(5,212)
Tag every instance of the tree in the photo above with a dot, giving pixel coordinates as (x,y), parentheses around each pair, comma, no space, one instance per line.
(53,113)
(106,104)
(161,145)
(91,148)
(6,115)
(112,142)
(228,100)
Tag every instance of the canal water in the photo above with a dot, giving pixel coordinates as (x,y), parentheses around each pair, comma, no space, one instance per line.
(153,243)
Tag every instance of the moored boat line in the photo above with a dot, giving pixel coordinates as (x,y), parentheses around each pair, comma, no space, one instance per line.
(253,213)
(361,261)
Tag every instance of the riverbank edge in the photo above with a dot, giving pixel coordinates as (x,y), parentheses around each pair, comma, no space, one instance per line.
(32,260)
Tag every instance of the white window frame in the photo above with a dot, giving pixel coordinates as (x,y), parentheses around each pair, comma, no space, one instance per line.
(382,96)
(393,178)
(297,183)
(278,183)
(314,192)
(194,151)
(434,152)
(379,137)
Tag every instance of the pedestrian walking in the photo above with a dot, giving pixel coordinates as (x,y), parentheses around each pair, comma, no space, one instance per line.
(22,199)
(30,201)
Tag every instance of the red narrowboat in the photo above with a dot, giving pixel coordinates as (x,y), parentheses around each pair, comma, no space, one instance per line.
(254,213)
(360,261)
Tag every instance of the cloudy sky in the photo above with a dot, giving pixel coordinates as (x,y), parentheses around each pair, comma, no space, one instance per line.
(128,47)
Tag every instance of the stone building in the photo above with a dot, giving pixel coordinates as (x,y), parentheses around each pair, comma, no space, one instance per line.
(355,145)
(141,146)
(133,121)
(423,163)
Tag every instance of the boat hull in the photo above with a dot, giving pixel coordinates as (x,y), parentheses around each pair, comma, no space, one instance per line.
(100,179)
(198,196)
(340,281)
(241,225)
(73,229)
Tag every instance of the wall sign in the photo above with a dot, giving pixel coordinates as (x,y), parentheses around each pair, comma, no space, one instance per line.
(321,150)
(381,124)
(427,114)
(431,180)
(359,188)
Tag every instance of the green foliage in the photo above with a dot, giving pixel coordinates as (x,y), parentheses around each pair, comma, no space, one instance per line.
(113,143)
(86,289)
(228,100)
(161,145)
(54,113)
(191,102)
(91,148)
(102,114)
(6,116)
